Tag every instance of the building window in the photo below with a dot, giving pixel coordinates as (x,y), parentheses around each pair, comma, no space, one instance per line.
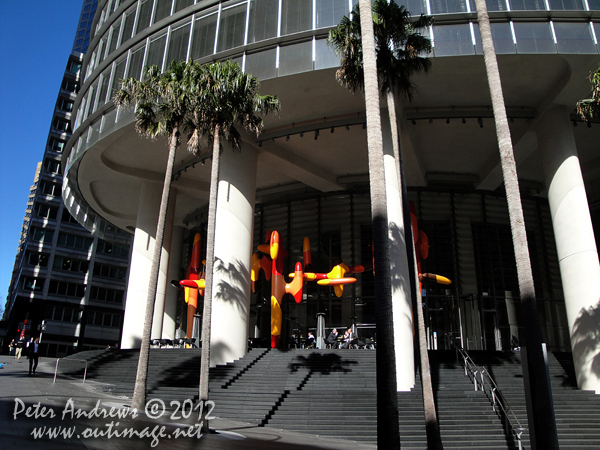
(62,125)
(49,188)
(178,43)
(163,9)
(144,15)
(107,248)
(43,211)
(295,58)
(182,4)
(128,27)
(449,6)
(325,56)
(65,289)
(36,259)
(262,64)
(105,319)
(502,36)
(534,37)
(109,271)
(527,5)
(32,284)
(62,314)
(232,27)
(107,295)
(156,51)
(76,242)
(203,43)
(114,37)
(57,145)
(296,16)
(70,264)
(135,63)
(69,85)
(65,105)
(453,40)
(52,166)
(263,20)
(329,12)
(68,218)
(42,235)
(574,38)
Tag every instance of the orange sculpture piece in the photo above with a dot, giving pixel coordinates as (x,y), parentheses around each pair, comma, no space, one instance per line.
(421,242)
(193,289)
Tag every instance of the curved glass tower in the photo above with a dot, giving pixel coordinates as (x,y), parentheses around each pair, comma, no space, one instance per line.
(307,174)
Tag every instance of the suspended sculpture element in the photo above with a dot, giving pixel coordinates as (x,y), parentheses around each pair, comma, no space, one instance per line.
(193,284)
(421,242)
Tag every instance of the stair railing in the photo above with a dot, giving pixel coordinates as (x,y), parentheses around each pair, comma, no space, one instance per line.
(489,387)
(71,359)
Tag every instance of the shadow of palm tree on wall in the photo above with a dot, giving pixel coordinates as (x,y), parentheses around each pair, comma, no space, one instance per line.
(234,286)
(585,339)
(398,247)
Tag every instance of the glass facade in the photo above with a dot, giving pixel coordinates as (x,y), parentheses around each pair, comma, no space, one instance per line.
(293,32)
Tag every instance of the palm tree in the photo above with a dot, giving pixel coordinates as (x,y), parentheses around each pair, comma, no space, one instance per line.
(229,97)
(590,107)
(163,108)
(537,385)
(399,46)
(388,435)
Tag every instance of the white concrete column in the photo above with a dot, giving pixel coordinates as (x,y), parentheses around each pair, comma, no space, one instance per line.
(233,251)
(575,242)
(141,262)
(172,293)
(401,301)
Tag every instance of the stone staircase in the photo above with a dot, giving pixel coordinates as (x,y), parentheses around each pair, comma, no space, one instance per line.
(577,413)
(332,393)
(465,416)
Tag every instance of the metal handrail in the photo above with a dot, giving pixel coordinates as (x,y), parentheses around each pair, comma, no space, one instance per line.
(71,359)
(471,370)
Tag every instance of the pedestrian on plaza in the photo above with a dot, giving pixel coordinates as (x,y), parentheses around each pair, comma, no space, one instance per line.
(12,347)
(33,353)
(348,336)
(20,346)
(332,338)
(310,340)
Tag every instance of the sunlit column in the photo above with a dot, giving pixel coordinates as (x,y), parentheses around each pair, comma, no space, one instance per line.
(141,261)
(575,242)
(233,251)
(401,301)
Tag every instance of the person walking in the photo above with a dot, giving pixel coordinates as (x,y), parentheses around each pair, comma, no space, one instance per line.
(20,346)
(33,354)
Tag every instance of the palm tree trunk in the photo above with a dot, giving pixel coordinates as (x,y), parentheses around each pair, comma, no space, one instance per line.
(139,391)
(537,385)
(388,435)
(210,258)
(434,440)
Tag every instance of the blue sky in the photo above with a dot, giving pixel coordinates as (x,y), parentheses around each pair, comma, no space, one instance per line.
(36,38)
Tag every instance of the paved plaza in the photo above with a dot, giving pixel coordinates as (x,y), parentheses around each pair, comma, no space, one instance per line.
(37,413)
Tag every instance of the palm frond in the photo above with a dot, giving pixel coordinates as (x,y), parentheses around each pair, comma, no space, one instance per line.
(589,108)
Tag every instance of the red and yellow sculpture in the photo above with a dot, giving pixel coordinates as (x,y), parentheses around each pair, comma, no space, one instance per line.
(193,284)
(421,242)
(337,278)
(273,270)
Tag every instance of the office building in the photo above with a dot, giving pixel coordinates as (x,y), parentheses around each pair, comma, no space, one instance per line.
(307,174)
(65,277)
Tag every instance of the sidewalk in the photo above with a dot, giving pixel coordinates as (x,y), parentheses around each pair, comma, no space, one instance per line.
(100,427)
